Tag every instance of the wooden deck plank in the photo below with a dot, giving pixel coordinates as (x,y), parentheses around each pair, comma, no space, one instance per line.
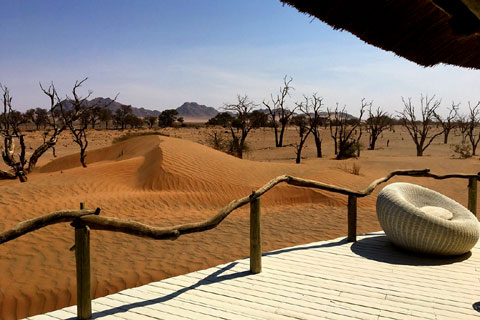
(337,296)
(332,279)
(266,308)
(366,280)
(276,300)
(41,317)
(117,306)
(210,306)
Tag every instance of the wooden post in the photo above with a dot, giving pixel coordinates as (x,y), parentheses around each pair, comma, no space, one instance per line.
(352,218)
(255,237)
(82,258)
(472,195)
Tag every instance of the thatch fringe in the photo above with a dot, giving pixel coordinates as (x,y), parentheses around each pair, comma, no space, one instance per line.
(424,31)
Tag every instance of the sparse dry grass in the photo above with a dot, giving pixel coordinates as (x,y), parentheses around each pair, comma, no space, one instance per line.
(354,168)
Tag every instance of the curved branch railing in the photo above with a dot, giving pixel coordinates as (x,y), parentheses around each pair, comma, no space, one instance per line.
(96,222)
(84,220)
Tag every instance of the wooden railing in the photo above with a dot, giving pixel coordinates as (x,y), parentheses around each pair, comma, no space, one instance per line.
(84,220)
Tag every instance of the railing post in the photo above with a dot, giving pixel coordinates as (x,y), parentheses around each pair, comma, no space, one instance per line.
(472,195)
(255,237)
(82,259)
(352,218)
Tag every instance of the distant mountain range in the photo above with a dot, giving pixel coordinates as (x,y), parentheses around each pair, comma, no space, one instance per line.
(139,112)
(188,110)
(113,106)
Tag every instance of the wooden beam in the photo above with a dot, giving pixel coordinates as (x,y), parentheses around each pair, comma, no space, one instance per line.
(255,237)
(82,259)
(352,218)
(27,226)
(472,195)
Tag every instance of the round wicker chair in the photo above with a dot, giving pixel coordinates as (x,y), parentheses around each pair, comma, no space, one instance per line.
(425,221)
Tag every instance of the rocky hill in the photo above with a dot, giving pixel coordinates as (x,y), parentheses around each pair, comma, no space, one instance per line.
(193,110)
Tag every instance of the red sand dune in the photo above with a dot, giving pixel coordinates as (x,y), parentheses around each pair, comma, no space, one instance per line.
(160,181)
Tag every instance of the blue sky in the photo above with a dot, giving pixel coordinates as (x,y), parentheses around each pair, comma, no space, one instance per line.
(159,54)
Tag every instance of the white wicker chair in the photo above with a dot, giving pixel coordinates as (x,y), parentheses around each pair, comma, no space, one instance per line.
(425,221)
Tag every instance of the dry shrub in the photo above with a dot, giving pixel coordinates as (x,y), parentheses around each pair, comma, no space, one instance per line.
(217,141)
(222,142)
(464,150)
(353,169)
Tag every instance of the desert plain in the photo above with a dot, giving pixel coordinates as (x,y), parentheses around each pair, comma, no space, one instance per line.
(173,178)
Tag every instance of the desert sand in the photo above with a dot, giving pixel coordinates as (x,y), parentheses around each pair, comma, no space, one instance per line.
(165,181)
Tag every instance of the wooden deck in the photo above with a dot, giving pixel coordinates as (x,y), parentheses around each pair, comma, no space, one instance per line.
(369,279)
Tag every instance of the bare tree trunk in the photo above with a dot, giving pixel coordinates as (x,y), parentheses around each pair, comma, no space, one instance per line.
(474,143)
(42,149)
(445,136)
(373,140)
(318,145)
(299,150)
(280,141)
(419,151)
(276,136)
(83,156)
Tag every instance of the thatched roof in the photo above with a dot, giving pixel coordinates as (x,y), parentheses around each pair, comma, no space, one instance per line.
(424,31)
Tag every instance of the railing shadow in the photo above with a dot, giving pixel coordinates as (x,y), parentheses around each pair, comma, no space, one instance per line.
(307,247)
(380,249)
(215,277)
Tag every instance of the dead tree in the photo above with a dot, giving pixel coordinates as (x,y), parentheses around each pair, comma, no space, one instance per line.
(277,108)
(333,125)
(81,110)
(472,125)
(311,109)
(462,126)
(420,130)
(347,131)
(304,130)
(377,122)
(241,125)
(449,122)
(10,130)
(50,136)
(58,119)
